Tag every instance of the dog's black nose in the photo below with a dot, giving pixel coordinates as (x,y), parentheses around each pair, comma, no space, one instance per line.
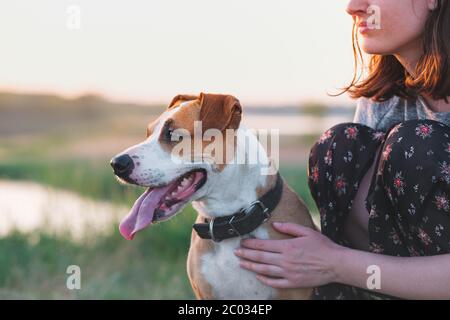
(123,165)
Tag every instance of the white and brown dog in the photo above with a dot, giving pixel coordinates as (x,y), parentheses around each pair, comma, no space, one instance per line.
(233,201)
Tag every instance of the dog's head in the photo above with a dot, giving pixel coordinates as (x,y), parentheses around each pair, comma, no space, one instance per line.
(175,176)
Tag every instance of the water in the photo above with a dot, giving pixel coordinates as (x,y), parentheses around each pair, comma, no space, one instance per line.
(28,206)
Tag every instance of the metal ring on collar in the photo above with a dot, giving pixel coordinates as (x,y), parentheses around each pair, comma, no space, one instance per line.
(211,230)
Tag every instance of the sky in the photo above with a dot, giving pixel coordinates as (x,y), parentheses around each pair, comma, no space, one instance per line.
(263,52)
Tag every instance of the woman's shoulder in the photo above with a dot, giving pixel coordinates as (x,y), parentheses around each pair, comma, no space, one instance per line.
(378,115)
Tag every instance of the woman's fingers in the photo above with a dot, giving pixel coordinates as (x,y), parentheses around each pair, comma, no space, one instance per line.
(264,245)
(279,283)
(258,256)
(292,229)
(264,269)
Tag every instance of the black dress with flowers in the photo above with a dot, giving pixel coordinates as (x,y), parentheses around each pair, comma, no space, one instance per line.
(408,198)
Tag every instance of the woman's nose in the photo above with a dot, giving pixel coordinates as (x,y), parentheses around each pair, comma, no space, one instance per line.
(357,7)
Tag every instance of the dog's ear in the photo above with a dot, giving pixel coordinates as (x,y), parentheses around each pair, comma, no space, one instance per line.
(181,98)
(220,111)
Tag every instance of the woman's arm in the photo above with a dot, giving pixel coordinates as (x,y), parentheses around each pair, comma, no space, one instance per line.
(311,259)
(405,277)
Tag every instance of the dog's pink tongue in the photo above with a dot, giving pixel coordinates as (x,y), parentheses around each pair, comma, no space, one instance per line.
(141,215)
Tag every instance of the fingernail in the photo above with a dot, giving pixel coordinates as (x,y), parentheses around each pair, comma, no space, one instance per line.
(237,251)
(277,224)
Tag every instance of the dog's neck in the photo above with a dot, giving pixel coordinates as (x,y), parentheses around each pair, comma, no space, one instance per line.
(237,185)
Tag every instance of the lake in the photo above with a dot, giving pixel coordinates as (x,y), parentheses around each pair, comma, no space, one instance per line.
(28,206)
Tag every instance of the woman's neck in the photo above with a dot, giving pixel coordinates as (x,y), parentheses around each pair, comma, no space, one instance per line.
(409,57)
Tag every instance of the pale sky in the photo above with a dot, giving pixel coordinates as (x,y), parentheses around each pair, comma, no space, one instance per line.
(263,52)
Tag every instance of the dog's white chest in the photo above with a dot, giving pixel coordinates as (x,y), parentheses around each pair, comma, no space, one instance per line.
(227,279)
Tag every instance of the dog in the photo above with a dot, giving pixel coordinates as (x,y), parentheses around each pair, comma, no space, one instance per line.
(233,200)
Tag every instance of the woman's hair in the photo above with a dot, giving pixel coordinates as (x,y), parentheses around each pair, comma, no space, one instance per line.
(387,77)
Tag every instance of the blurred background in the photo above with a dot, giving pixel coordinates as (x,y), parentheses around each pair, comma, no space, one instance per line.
(80,80)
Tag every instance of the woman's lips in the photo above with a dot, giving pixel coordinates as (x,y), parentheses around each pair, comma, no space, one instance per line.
(363,28)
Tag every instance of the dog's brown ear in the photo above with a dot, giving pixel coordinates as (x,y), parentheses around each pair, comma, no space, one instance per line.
(220,111)
(181,98)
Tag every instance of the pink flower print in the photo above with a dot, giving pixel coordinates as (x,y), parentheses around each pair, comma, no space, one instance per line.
(424,237)
(340,184)
(328,158)
(387,152)
(315,174)
(442,202)
(424,130)
(378,136)
(351,132)
(325,136)
(395,130)
(399,183)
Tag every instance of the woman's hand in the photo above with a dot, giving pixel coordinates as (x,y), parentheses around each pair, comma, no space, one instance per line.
(308,260)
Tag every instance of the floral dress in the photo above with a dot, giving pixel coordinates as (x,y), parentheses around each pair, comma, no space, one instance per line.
(408,198)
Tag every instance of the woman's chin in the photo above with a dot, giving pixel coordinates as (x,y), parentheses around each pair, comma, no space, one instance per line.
(370,46)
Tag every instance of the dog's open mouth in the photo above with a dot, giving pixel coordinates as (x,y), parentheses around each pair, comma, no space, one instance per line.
(160,203)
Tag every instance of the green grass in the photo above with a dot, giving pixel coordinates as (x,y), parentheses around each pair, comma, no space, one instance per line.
(152,266)
(33,267)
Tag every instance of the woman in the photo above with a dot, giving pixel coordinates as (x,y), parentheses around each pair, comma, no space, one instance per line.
(381,183)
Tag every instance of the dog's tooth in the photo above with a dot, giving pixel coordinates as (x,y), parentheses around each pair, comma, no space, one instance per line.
(174,193)
(184,182)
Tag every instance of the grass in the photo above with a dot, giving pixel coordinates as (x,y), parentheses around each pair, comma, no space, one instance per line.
(152,266)
(33,267)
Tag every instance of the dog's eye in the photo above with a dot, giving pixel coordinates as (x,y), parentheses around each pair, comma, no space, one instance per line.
(168,134)
(171,135)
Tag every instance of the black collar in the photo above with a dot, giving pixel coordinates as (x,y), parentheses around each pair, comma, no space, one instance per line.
(244,221)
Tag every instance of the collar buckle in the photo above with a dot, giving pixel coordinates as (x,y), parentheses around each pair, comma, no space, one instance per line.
(264,209)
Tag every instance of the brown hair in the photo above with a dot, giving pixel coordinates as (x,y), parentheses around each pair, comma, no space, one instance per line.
(387,77)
